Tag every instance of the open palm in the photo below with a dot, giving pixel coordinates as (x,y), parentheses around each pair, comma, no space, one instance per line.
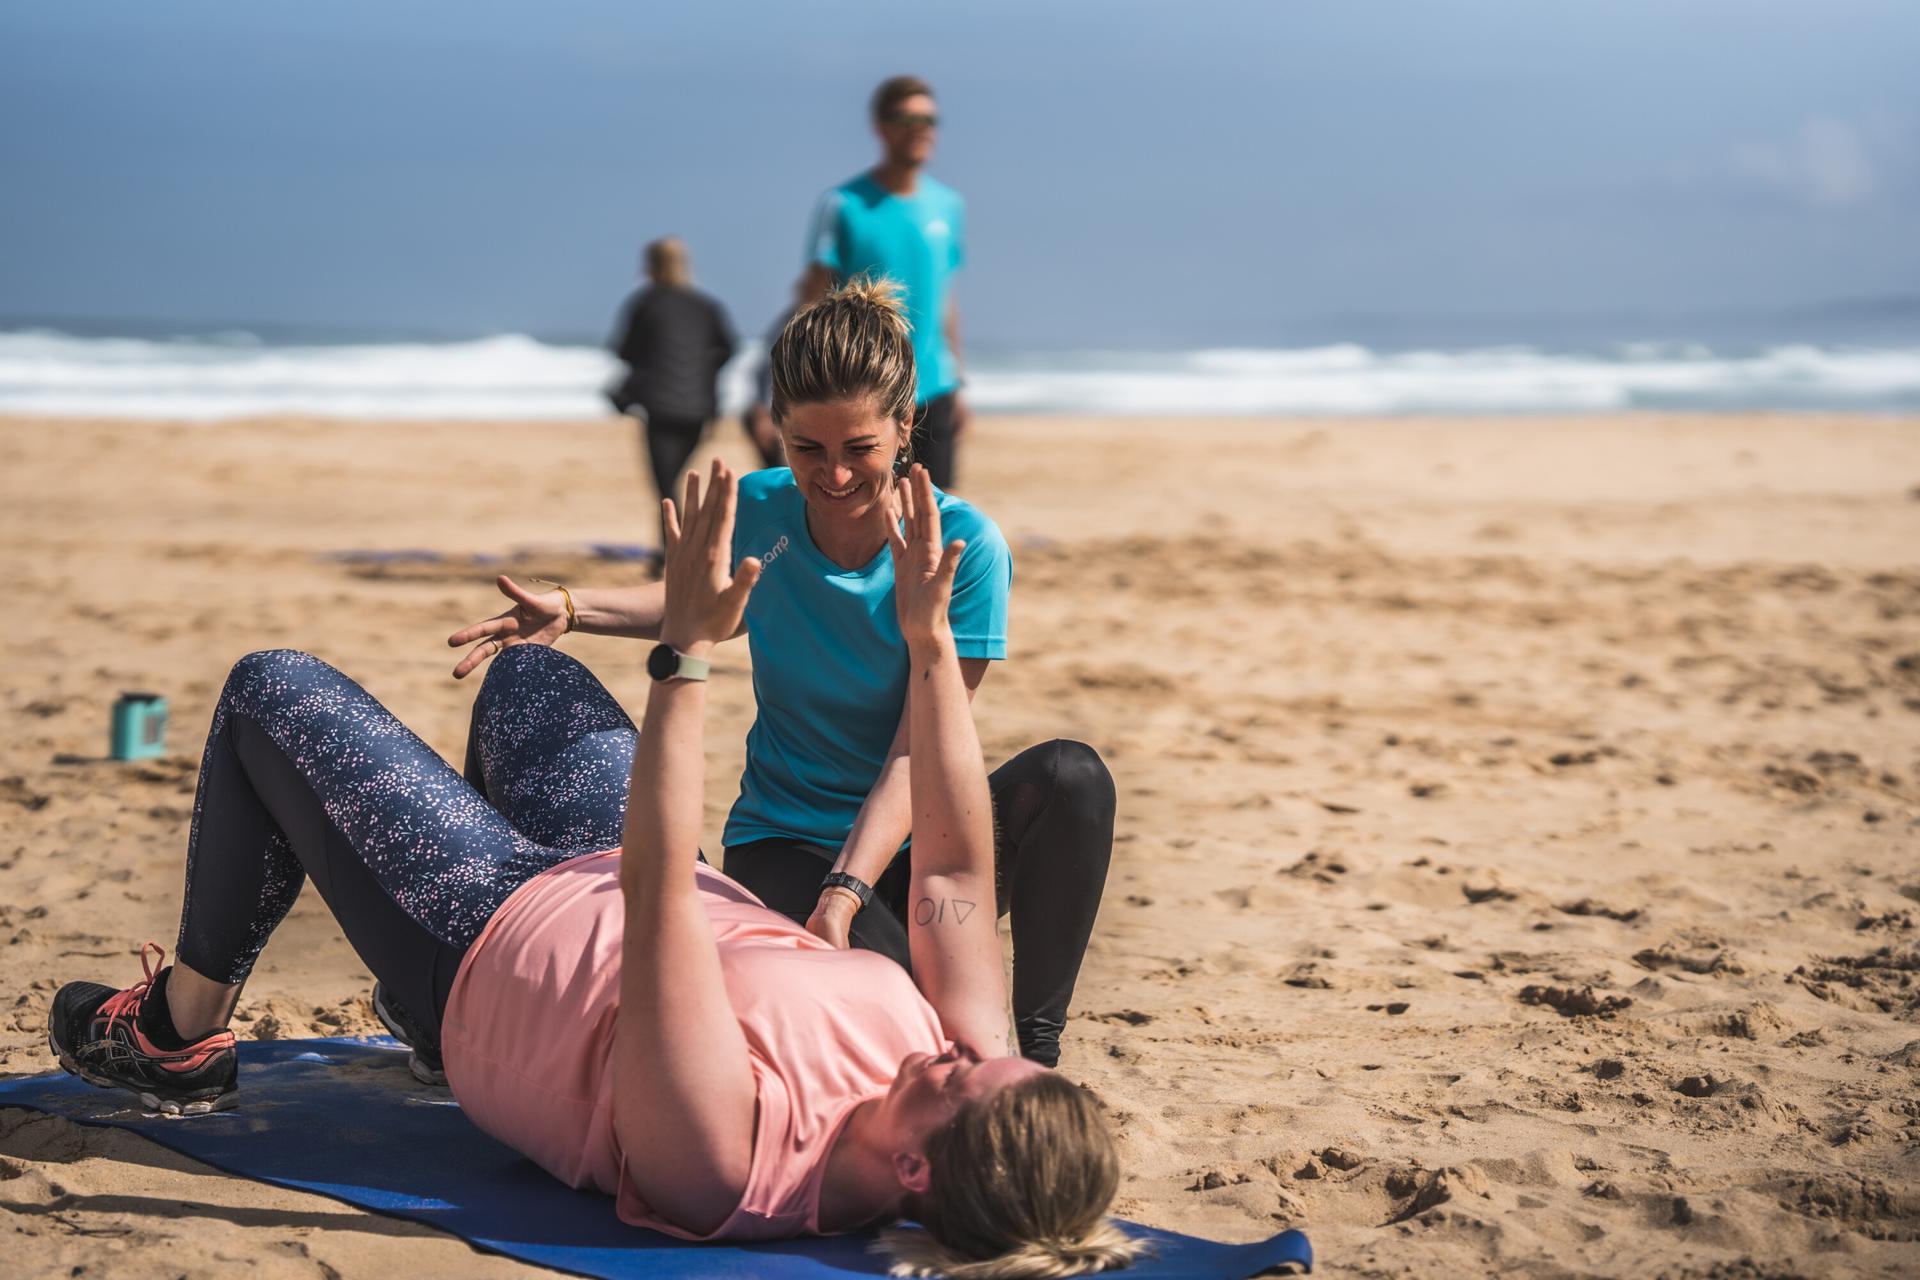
(923,566)
(706,597)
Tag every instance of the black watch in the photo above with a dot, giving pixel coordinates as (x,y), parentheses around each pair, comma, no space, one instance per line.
(668,663)
(841,880)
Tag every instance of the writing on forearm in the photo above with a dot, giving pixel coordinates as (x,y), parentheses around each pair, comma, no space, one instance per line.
(942,911)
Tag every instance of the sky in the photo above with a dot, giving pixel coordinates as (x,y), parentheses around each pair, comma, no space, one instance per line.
(1137,174)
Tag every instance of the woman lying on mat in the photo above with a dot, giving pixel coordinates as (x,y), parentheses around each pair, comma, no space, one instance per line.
(633,1020)
(823,815)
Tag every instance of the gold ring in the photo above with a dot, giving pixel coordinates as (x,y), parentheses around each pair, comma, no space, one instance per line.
(498,646)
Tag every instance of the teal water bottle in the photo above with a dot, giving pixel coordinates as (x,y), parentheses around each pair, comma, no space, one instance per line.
(139,726)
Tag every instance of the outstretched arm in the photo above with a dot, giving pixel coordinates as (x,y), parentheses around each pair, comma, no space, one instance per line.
(962,415)
(950,906)
(540,617)
(683,1085)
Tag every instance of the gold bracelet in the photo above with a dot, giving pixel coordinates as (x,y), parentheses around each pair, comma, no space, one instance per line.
(573,619)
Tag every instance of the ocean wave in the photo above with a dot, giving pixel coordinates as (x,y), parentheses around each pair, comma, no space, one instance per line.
(1347,379)
(236,374)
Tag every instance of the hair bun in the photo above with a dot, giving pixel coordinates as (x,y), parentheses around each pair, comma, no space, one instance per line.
(882,292)
(855,343)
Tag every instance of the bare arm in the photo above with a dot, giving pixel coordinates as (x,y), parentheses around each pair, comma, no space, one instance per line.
(815,284)
(683,1083)
(950,913)
(540,617)
(962,414)
(950,325)
(884,821)
(621,611)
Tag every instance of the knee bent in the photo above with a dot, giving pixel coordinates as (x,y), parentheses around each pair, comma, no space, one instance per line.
(1080,775)
(274,662)
(521,662)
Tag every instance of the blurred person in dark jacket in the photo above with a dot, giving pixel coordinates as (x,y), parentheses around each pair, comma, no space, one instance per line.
(674,341)
(757,419)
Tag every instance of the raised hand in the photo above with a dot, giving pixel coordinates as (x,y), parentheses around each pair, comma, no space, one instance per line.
(922,566)
(705,599)
(534,619)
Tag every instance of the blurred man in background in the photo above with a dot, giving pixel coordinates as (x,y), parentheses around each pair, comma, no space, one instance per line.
(896,220)
(674,341)
(757,419)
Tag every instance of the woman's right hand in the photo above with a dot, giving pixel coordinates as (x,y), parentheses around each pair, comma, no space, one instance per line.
(706,599)
(534,619)
(832,919)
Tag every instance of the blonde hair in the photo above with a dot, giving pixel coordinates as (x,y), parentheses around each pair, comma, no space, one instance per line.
(668,261)
(853,344)
(1020,1183)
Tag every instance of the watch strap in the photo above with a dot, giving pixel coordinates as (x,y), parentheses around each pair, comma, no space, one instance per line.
(683,666)
(841,880)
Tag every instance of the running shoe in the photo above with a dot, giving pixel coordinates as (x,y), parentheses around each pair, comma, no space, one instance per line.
(424,1061)
(95,1032)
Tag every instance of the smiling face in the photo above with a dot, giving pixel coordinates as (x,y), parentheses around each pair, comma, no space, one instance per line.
(842,454)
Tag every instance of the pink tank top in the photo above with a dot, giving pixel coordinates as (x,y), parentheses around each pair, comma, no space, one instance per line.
(528,1038)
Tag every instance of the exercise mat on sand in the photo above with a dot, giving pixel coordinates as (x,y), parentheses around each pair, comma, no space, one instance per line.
(344,1118)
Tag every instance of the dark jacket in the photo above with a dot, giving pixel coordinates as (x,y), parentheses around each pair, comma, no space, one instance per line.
(674,341)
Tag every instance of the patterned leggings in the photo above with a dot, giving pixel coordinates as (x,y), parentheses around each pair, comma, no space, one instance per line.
(306,775)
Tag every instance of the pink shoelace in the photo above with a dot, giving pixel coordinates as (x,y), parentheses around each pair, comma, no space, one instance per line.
(126,1004)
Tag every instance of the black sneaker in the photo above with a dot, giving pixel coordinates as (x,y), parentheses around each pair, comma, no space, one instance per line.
(95,1032)
(424,1061)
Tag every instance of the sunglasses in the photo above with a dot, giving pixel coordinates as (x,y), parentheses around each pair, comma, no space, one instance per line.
(914,119)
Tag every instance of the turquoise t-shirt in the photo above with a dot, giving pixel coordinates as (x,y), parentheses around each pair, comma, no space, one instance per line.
(861,228)
(829,665)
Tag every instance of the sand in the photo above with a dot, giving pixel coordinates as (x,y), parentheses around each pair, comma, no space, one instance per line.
(1517,846)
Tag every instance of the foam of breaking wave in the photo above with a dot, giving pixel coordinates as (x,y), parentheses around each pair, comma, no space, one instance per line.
(234,376)
(1350,379)
(511,376)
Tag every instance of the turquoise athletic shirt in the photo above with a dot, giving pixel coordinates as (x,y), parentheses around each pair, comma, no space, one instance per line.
(918,240)
(829,665)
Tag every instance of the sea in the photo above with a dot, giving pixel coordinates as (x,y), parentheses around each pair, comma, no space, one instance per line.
(1857,358)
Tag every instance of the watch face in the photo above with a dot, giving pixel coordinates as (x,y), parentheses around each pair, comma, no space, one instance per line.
(662,662)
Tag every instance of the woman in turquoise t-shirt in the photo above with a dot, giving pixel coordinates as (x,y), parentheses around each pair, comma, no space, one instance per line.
(821,826)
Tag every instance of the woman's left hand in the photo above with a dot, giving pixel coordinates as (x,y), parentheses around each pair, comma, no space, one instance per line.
(705,600)
(922,568)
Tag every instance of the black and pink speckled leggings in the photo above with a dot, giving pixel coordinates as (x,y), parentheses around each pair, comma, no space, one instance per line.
(306,775)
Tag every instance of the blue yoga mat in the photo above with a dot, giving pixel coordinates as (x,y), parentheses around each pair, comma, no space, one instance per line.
(344,1118)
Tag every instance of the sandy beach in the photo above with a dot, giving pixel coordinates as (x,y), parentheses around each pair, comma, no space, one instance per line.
(1519,818)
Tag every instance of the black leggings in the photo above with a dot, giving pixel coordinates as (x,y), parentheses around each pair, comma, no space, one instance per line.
(1053,809)
(306,775)
(933,438)
(670,441)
